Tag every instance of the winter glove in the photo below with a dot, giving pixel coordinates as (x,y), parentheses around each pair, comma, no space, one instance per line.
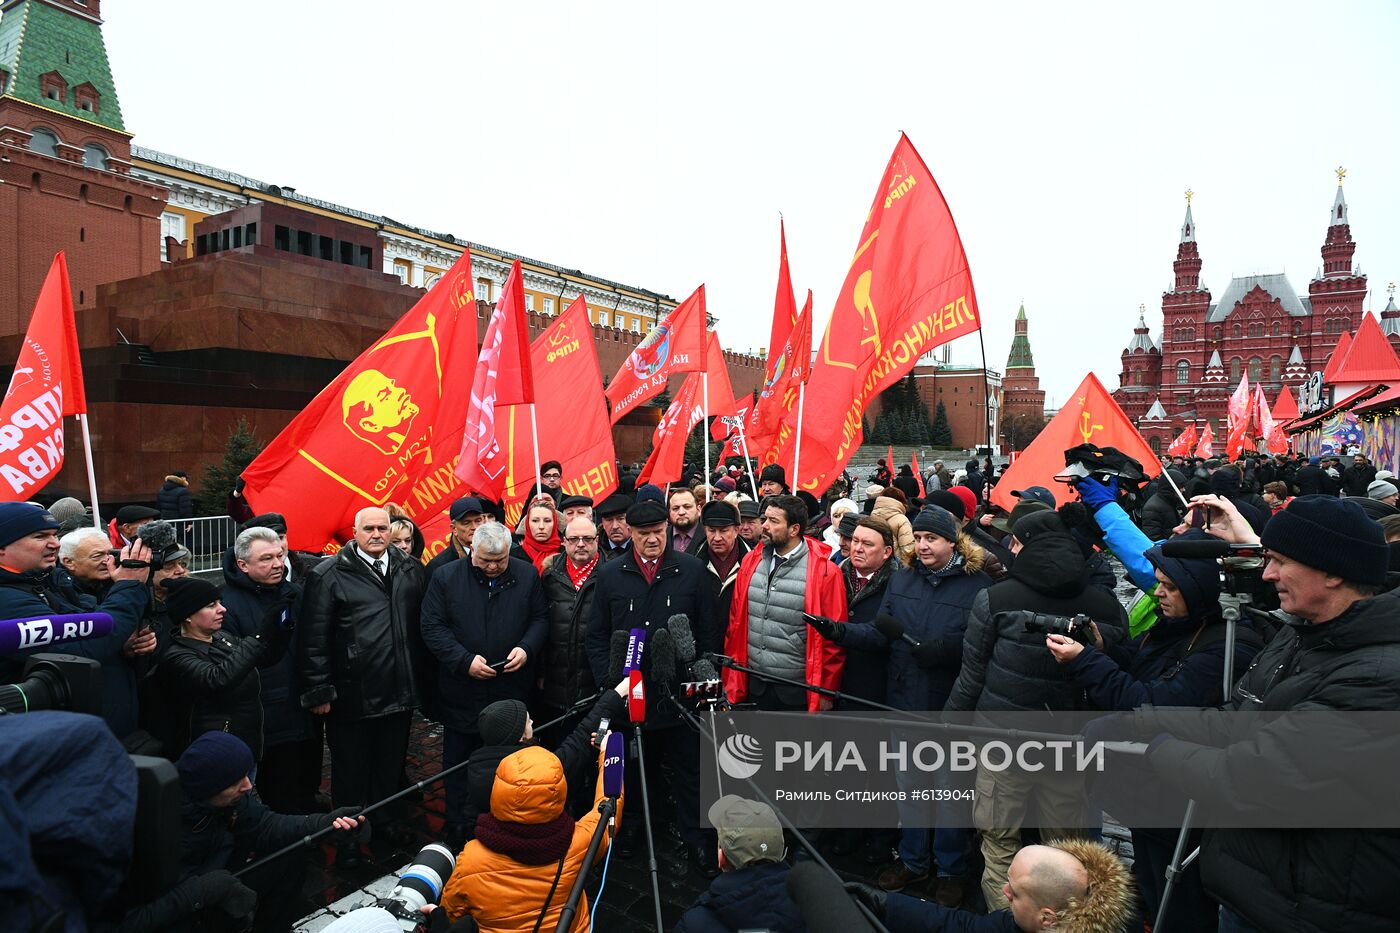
(928,654)
(276,618)
(220,889)
(829,629)
(1115,727)
(348,812)
(1095,494)
(869,895)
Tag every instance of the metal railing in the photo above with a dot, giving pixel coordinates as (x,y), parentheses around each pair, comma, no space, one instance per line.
(207,537)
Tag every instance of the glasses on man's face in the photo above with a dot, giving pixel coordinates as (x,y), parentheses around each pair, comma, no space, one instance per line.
(581,539)
(553,475)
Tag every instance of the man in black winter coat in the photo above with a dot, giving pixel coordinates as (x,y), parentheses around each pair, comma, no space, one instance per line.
(1006,668)
(1358,476)
(752,891)
(485,620)
(565,677)
(355,659)
(1340,652)
(173,499)
(1162,512)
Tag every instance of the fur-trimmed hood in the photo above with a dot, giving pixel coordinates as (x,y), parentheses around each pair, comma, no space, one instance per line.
(1110,901)
(178,480)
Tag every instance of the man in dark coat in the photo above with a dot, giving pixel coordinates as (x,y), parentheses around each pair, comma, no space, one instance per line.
(289,772)
(751,894)
(173,499)
(565,677)
(643,589)
(28,553)
(975,479)
(722,549)
(1162,512)
(1312,480)
(1006,668)
(355,659)
(906,483)
(613,537)
(485,620)
(1340,652)
(466,514)
(1358,476)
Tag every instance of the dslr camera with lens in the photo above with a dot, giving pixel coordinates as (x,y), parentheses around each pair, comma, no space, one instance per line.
(1076,627)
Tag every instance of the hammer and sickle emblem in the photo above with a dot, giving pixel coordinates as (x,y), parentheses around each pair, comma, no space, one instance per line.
(1086,428)
(860,295)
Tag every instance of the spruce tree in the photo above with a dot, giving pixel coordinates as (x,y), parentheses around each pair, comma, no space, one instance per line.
(219,478)
(941,433)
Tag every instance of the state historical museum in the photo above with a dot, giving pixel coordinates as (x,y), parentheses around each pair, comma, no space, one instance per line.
(1260,327)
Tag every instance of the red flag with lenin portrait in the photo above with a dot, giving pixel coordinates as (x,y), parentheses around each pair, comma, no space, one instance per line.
(686,411)
(388,428)
(573,418)
(907,291)
(46,385)
(1091,416)
(674,345)
(791,367)
(504,376)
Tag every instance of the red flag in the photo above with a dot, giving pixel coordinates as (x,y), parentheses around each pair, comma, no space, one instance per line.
(789,369)
(1089,417)
(388,429)
(573,418)
(685,412)
(675,345)
(46,385)
(1238,419)
(1275,440)
(784,309)
(907,291)
(1206,448)
(503,378)
(918,476)
(1185,441)
(889,458)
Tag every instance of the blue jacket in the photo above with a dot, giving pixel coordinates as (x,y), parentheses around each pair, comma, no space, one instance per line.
(932,608)
(33,594)
(464,617)
(903,912)
(284,720)
(1128,544)
(751,898)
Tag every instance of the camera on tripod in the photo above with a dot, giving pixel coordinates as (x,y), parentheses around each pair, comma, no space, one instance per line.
(1077,627)
(57,682)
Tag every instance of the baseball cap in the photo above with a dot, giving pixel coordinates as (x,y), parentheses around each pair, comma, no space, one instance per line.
(748,831)
(1035,493)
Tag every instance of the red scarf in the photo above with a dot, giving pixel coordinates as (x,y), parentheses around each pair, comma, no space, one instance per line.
(537,551)
(578,574)
(527,843)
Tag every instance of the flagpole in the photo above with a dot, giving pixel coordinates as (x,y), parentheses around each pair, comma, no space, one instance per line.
(797,450)
(535,436)
(744,447)
(705,417)
(92,475)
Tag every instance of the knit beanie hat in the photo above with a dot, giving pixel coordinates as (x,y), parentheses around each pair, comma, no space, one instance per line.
(1331,535)
(947,500)
(184,596)
(1197,579)
(1381,489)
(937,520)
(502,723)
(18,519)
(969,500)
(212,763)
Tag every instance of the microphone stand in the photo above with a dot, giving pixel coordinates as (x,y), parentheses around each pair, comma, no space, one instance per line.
(698,725)
(646,820)
(606,809)
(307,840)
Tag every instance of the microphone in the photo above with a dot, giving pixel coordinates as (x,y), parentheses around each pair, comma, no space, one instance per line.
(617,656)
(718,660)
(42,631)
(636,646)
(1208,549)
(662,664)
(893,629)
(613,748)
(683,637)
(824,904)
(636,697)
(703,670)
(159,537)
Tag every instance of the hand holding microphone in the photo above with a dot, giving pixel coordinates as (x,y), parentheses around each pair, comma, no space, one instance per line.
(830,629)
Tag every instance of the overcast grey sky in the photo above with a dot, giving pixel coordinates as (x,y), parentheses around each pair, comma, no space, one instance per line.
(656,143)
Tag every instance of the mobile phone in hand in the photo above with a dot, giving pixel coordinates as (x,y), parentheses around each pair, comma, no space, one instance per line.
(499,665)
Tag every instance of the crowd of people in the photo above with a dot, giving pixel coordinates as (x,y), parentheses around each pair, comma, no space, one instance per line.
(506,637)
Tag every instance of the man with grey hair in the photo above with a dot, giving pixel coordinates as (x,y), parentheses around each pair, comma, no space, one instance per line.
(359,611)
(84,563)
(485,620)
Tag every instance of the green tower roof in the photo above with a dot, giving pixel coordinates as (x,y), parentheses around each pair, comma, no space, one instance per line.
(37,38)
(1020,357)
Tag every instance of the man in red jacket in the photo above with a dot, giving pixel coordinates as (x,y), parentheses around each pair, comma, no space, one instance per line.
(789,575)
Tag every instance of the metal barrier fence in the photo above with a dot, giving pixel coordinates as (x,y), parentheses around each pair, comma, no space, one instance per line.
(207,538)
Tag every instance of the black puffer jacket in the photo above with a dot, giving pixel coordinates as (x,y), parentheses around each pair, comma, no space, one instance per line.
(1299,879)
(174,499)
(247,602)
(216,688)
(355,636)
(1161,513)
(565,671)
(1007,668)
(753,898)
(464,617)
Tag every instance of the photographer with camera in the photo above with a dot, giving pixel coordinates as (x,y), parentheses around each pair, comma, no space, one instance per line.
(223,824)
(1179,661)
(1339,651)
(28,552)
(1005,667)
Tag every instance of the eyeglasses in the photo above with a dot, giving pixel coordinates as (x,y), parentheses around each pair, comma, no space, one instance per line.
(553,475)
(580,539)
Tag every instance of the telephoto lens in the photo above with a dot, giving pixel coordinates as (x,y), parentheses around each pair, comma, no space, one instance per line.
(422,881)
